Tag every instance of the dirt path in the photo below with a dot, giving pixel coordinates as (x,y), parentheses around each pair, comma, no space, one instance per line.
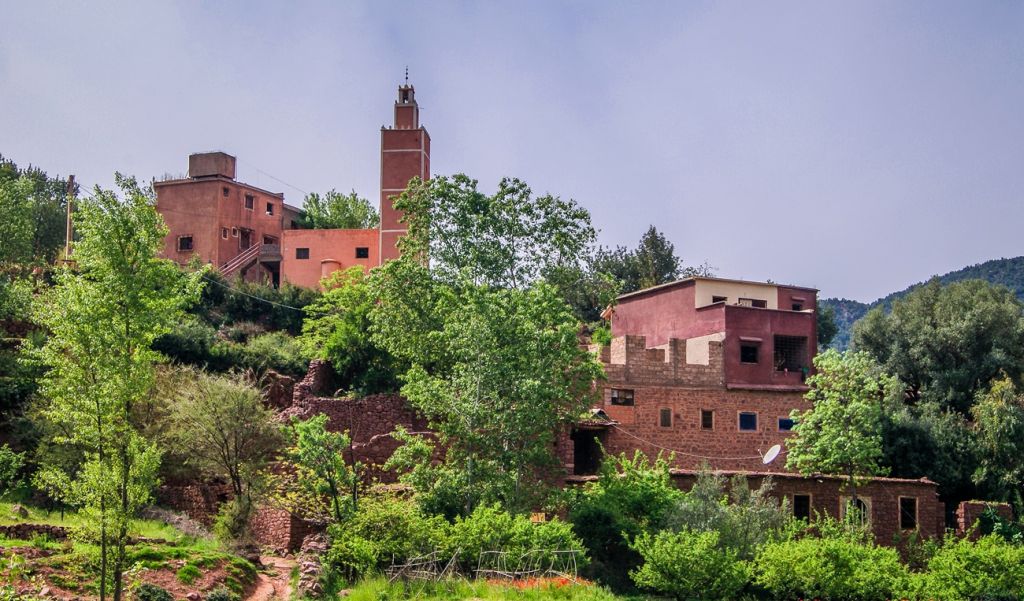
(273,587)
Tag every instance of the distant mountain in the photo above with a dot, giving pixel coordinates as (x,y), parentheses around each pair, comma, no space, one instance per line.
(1007,272)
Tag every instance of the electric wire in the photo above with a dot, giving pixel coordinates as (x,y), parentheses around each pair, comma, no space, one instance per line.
(680,452)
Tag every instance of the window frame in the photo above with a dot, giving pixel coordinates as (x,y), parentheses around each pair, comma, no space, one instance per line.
(739,421)
(224,233)
(707,413)
(249,202)
(270,208)
(191,243)
(613,397)
(916,517)
(362,252)
(299,254)
(867,515)
(810,504)
(745,344)
(662,412)
(787,418)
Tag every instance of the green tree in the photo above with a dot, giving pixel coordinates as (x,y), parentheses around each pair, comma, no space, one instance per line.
(46,200)
(318,456)
(842,432)
(338,329)
(334,210)
(999,422)
(947,343)
(102,320)
(16,228)
(494,360)
(221,426)
(653,262)
(827,328)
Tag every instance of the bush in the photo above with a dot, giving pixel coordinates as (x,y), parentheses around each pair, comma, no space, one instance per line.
(232,521)
(221,593)
(489,528)
(189,573)
(689,565)
(277,351)
(990,568)
(152,592)
(833,567)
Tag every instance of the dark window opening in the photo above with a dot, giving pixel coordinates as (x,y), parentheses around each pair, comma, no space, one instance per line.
(245,239)
(790,353)
(362,252)
(586,452)
(798,306)
(748,421)
(225,191)
(908,513)
(270,208)
(719,299)
(748,353)
(301,253)
(250,200)
(234,232)
(622,396)
(785,424)
(269,240)
(753,302)
(224,233)
(707,419)
(184,243)
(802,507)
(665,418)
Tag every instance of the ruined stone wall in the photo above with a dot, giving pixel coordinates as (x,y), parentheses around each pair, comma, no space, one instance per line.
(280,530)
(969,512)
(198,501)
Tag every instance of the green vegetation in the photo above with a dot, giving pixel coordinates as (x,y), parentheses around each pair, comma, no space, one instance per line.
(379,589)
(334,210)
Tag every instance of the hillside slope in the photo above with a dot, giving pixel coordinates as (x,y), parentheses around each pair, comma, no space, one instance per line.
(1007,272)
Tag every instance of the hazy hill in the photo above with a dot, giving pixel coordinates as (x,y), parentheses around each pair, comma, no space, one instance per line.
(1008,272)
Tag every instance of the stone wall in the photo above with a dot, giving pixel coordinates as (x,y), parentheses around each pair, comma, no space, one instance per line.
(969,512)
(198,501)
(279,530)
(30,531)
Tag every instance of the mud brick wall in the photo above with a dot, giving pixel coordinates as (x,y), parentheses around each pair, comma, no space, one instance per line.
(198,501)
(969,512)
(279,530)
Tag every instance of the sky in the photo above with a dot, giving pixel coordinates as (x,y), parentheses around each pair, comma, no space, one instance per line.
(856,147)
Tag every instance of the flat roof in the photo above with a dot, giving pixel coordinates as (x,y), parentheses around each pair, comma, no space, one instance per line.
(695,279)
(213,178)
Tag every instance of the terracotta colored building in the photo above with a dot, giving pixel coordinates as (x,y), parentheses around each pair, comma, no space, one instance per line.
(251,233)
(710,369)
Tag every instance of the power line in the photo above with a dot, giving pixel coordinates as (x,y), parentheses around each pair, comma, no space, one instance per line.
(260,299)
(679,452)
(262,172)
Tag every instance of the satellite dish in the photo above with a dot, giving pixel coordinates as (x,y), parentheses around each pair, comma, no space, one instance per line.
(771,454)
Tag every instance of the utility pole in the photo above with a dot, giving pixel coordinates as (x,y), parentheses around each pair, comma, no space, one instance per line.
(68,229)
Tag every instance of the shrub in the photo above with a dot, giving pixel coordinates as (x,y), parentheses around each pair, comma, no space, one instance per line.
(489,528)
(989,568)
(152,592)
(689,565)
(833,567)
(189,573)
(232,521)
(277,351)
(221,593)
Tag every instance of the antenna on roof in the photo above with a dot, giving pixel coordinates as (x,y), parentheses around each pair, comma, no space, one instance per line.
(772,453)
(407,75)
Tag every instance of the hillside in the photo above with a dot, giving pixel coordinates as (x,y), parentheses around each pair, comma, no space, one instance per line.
(1007,272)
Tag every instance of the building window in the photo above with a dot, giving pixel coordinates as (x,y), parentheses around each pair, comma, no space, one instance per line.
(622,396)
(802,507)
(859,511)
(908,513)
(785,424)
(250,201)
(748,352)
(234,232)
(225,191)
(748,421)
(665,418)
(184,243)
(719,299)
(790,353)
(798,306)
(753,302)
(301,253)
(224,233)
(707,419)
(362,252)
(270,208)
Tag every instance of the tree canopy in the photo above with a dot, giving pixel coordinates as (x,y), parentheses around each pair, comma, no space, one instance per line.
(334,210)
(34,206)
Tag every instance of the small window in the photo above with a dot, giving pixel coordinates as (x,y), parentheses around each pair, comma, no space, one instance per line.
(785,424)
(234,232)
(908,513)
(858,512)
(748,421)
(301,253)
(748,353)
(224,233)
(753,302)
(362,252)
(802,507)
(622,396)
(250,201)
(707,419)
(270,208)
(269,240)
(225,191)
(184,243)
(665,418)
(798,306)
(791,353)
(719,299)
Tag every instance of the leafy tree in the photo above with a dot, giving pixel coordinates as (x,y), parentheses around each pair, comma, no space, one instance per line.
(16,228)
(653,262)
(338,211)
(842,432)
(999,421)
(338,329)
(221,426)
(827,328)
(45,199)
(493,356)
(10,468)
(318,457)
(689,565)
(102,320)
(947,343)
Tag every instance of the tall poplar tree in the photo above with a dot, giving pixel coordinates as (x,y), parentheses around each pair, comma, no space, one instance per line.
(102,317)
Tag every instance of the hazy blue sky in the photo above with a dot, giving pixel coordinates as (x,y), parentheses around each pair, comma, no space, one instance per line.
(857,147)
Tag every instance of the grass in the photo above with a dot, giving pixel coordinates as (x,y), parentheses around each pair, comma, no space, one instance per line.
(379,589)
